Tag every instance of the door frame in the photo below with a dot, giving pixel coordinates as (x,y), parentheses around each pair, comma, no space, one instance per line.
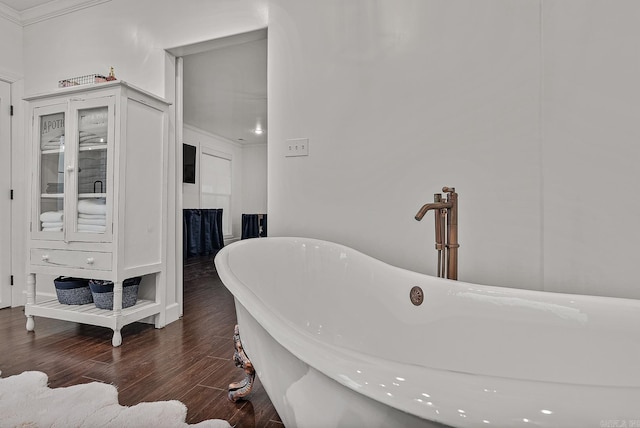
(6,277)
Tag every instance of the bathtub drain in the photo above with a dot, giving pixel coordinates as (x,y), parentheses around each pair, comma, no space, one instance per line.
(416,295)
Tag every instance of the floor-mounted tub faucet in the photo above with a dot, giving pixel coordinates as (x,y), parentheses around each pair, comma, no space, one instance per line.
(446,216)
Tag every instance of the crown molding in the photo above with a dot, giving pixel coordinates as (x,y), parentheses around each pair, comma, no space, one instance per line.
(46,11)
(9,76)
(10,14)
(56,8)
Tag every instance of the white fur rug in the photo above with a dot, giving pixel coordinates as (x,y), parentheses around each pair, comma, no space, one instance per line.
(26,401)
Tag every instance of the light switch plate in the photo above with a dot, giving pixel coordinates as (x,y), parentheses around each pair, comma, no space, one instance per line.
(297,147)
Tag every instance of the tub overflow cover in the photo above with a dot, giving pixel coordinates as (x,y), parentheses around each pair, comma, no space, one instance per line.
(416,295)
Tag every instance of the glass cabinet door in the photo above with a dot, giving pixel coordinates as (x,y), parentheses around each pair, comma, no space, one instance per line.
(93,141)
(75,148)
(49,128)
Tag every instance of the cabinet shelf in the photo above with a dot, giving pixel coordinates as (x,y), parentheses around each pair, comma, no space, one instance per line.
(82,148)
(52,151)
(80,195)
(89,314)
(92,195)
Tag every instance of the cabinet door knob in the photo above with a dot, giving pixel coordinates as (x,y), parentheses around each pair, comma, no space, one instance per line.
(70,168)
(45,257)
(90,260)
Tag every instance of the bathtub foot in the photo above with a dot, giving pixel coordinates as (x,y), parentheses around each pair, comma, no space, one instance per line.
(238,390)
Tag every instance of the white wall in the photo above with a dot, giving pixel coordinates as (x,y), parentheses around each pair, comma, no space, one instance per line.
(400,98)
(11,48)
(529,108)
(131,36)
(591,146)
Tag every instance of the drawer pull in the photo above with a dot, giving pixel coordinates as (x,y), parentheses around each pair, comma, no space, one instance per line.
(90,260)
(45,257)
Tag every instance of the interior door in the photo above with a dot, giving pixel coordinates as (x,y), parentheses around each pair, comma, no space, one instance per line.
(5,192)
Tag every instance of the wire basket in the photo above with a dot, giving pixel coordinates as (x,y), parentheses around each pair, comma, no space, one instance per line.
(87,79)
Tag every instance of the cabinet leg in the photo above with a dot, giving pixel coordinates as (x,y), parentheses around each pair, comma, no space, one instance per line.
(117,338)
(117,312)
(31,324)
(31,299)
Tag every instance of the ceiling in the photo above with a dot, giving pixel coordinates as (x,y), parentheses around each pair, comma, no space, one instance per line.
(225,87)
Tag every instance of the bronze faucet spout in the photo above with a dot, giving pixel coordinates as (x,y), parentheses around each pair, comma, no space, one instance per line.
(432,206)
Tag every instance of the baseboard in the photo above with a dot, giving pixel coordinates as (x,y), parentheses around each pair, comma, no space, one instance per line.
(173,313)
(231,240)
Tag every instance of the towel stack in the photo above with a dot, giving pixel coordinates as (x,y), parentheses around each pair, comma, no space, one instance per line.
(55,143)
(54,188)
(92,139)
(52,221)
(92,127)
(92,215)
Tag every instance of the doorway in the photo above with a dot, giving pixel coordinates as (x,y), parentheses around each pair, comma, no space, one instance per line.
(221,100)
(5,195)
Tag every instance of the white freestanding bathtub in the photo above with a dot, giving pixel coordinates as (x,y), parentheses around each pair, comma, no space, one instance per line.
(336,342)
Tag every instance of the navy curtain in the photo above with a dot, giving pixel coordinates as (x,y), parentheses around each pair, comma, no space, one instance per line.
(254,225)
(201,232)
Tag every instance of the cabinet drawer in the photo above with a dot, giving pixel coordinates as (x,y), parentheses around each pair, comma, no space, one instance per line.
(71,259)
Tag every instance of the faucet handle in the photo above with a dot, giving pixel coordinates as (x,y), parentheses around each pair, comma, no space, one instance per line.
(449,189)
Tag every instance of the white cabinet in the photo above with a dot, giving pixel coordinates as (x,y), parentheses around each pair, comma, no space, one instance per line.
(99,198)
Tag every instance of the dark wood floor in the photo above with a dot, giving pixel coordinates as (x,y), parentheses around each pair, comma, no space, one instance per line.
(189,360)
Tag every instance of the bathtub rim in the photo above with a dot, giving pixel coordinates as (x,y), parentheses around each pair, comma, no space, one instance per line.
(351,361)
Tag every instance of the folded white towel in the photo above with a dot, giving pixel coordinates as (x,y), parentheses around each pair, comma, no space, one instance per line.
(52,216)
(98,221)
(91,228)
(55,143)
(92,206)
(52,229)
(46,224)
(93,216)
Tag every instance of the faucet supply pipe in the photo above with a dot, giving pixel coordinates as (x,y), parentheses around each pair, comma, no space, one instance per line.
(439,223)
(452,235)
(443,225)
(446,228)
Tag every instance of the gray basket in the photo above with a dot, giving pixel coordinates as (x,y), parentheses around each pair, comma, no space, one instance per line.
(102,292)
(73,291)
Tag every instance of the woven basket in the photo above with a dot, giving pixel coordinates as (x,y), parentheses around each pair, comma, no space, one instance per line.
(72,291)
(102,292)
